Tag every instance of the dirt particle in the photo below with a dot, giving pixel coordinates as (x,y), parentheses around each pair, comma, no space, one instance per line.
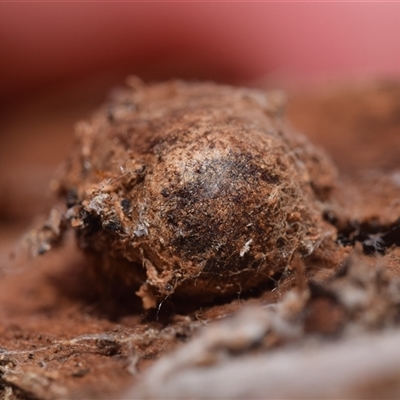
(80,372)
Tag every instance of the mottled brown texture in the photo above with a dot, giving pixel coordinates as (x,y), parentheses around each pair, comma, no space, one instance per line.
(204,189)
(59,339)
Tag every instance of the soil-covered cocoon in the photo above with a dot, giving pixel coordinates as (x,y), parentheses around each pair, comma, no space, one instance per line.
(195,189)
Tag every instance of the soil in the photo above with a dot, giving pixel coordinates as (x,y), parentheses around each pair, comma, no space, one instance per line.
(60,339)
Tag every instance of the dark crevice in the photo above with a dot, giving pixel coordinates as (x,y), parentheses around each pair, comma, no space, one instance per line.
(374,237)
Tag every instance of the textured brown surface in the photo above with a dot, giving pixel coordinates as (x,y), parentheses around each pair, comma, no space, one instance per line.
(196,190)
(60,339)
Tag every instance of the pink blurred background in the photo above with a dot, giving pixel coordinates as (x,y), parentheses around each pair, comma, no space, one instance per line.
(42,44)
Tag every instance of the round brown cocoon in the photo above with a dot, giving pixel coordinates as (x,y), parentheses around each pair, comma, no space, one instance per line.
(196,190)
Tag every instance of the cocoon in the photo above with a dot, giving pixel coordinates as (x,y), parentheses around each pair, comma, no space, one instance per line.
(194,189)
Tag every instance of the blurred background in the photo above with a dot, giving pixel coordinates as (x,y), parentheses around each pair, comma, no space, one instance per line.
(44,44)
(59,60)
